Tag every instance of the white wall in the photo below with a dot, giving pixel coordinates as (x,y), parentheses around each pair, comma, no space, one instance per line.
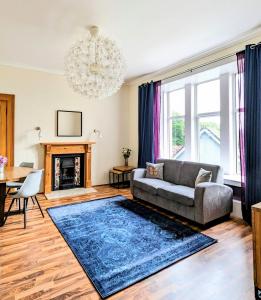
(37,97)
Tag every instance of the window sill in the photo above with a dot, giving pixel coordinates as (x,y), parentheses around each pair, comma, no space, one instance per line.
(233,180)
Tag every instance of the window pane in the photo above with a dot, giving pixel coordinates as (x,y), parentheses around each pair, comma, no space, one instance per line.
(177,103)
(208,97)
(209,140)
(238,169)
(178,138)
(238,103)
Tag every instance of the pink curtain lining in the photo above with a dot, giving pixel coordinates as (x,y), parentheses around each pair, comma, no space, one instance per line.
(156,119)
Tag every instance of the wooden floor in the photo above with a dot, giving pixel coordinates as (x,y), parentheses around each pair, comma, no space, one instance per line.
(36,263)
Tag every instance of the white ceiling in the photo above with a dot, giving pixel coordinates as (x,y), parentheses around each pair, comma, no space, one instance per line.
(152,34)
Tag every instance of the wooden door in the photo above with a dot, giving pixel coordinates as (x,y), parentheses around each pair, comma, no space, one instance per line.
(7,127)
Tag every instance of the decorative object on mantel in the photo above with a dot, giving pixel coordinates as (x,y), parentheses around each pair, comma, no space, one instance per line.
(126,154)
(94,66)
(3,162)
(53,149)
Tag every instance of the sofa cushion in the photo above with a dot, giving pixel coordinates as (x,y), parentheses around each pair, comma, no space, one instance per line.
(150,185)
(178,193)
(172,169)
(203,176)
(154,170)
(190,170)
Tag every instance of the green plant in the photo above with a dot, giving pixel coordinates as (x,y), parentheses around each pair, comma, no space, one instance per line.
(178,126)
(126,152)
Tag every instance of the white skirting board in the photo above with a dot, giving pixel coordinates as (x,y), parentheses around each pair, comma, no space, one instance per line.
(69,193)
(237,212)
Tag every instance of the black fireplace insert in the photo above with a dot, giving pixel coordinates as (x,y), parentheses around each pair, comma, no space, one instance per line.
(67,171)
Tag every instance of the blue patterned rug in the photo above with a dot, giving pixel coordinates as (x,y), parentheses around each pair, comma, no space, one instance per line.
(119,242)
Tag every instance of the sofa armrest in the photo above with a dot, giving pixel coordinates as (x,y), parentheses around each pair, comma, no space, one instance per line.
(135,174)
(212,201)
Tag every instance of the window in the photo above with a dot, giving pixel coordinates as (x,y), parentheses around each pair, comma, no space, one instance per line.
(176,117)
(237,120)
(208,121)
(200,118)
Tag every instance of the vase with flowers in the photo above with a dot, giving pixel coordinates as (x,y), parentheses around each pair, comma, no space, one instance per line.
(3,162)
(126,152)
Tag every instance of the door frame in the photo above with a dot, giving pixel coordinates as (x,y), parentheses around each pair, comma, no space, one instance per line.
(10,126)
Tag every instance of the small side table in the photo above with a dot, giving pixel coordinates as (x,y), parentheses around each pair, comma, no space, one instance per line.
(124,168)
(119,176)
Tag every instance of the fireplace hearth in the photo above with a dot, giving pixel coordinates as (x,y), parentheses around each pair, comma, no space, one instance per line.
(68,171)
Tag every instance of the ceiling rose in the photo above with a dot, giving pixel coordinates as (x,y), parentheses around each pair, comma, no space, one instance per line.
(94,66)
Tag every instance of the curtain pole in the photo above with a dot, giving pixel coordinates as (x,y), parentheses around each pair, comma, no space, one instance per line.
(200,66)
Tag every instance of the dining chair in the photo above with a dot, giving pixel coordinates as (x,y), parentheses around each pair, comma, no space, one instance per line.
(29,188)
(17,184)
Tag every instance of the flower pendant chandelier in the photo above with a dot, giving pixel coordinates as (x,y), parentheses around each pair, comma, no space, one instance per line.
(94,66)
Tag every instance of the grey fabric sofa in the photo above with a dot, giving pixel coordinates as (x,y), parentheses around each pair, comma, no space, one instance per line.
(177,192)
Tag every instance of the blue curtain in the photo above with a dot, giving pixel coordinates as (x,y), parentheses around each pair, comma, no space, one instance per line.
(146,136)
(252,101)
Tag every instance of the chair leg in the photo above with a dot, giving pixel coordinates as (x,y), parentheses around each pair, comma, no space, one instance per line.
(8,190)
(8,212)
(25,205)
(39,205)
(19,205)
(33,200)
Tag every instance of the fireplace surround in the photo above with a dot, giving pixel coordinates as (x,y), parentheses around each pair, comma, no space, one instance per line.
(69,155)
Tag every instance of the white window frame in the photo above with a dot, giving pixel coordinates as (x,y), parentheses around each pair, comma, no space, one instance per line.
(235,114)
(227,114)
(189,121)
(227,125)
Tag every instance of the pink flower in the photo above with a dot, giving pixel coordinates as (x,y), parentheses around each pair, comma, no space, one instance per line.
(3,160)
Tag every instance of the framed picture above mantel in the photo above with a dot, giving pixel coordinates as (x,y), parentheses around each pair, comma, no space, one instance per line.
(69,123)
